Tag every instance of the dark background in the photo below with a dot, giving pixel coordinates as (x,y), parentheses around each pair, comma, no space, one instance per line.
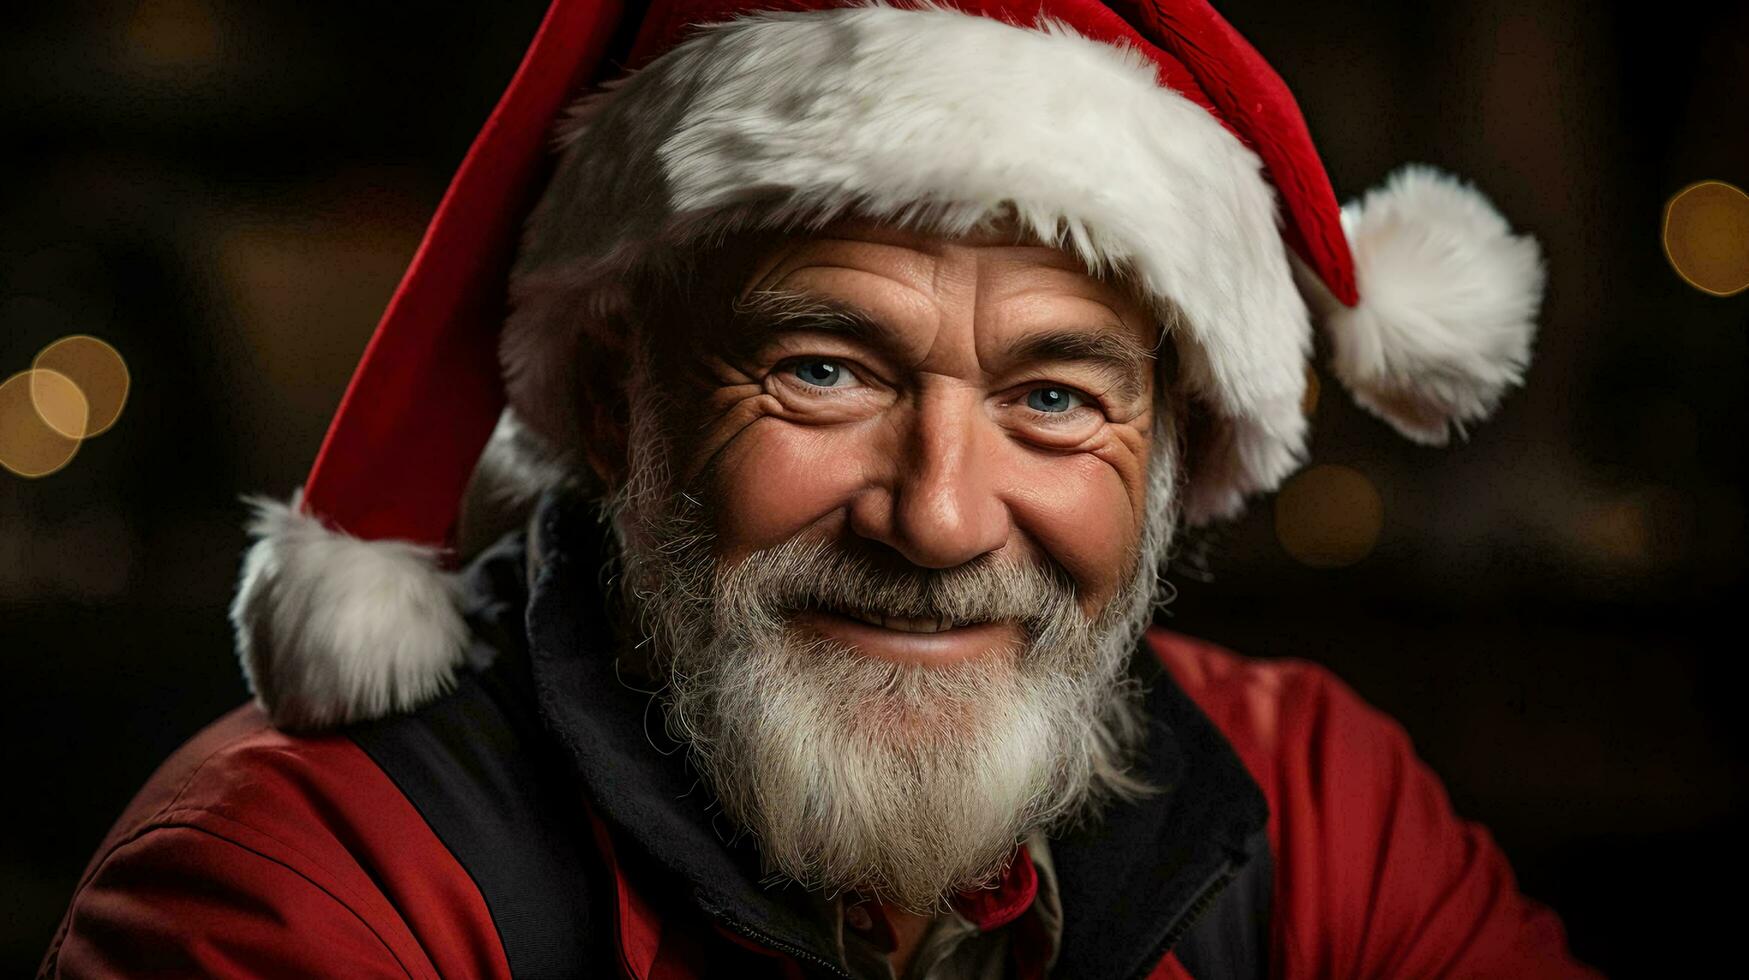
(227,192)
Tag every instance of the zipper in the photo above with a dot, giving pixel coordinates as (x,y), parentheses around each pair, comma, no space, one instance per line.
(1211,889)
(794,952)
(1205,899)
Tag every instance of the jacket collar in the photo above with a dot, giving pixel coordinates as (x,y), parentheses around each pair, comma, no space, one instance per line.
(1129,882)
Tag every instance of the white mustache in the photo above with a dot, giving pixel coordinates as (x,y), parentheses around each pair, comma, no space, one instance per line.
(821,575)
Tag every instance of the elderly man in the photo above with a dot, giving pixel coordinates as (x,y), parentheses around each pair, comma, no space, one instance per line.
(863,361)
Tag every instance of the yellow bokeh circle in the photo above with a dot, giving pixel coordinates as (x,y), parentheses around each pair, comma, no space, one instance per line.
(1309,400)
(36,407)
(1706,237)
(100,374)
(1329,516)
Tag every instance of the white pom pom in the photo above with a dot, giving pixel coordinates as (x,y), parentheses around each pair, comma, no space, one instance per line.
(333,629)
(1448,304)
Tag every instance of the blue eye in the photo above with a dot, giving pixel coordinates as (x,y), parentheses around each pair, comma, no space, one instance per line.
(822,373)
(1052,401)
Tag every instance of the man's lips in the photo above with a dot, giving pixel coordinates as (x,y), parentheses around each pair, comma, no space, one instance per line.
(904,624)
(934,642)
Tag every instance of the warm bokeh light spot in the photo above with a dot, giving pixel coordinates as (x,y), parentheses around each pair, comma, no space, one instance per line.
(100,374)
(59,402)
(175,34)
(30,445)
(1706,237)
(1329,516)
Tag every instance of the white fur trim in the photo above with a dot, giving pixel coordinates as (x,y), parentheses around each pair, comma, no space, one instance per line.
(333,629)
(515,469)
(937,119)
(1449,299)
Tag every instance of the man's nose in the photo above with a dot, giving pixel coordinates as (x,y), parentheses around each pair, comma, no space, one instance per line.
(941,506)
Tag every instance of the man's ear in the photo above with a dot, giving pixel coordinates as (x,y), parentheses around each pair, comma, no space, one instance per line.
(603,404)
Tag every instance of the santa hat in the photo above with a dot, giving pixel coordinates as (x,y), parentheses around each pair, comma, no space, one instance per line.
(1146,138)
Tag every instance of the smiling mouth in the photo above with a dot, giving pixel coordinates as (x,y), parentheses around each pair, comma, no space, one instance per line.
(925,641)
(902,624)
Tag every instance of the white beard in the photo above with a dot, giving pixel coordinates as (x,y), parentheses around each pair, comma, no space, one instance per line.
(906,782)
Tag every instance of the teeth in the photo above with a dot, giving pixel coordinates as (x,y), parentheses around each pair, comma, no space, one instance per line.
(907,625)
(903,624)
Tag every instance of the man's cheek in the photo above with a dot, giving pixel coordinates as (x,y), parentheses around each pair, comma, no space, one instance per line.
(775,479)
(1080,510)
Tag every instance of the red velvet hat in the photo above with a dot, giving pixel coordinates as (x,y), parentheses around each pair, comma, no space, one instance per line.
(1146,137)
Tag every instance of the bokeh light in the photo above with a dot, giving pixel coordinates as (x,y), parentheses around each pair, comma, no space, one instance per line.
(75,389)
(175,34)
(59,402)
(31,445)
(1328,516)
(1706,237)
(98,371)
(1309,400)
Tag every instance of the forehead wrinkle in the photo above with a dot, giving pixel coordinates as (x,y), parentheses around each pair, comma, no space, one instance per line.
(905,282)
(914,265)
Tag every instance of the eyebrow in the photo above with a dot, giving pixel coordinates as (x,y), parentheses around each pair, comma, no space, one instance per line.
(758,316)
(1127,361)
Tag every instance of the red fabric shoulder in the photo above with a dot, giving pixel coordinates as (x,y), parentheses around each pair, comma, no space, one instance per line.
(1375,876)
(254,853)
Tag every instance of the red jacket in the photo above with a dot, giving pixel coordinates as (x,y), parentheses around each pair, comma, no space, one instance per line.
(527,819)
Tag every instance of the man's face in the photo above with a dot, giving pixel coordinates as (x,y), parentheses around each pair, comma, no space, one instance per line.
(962,400)
(892,526)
